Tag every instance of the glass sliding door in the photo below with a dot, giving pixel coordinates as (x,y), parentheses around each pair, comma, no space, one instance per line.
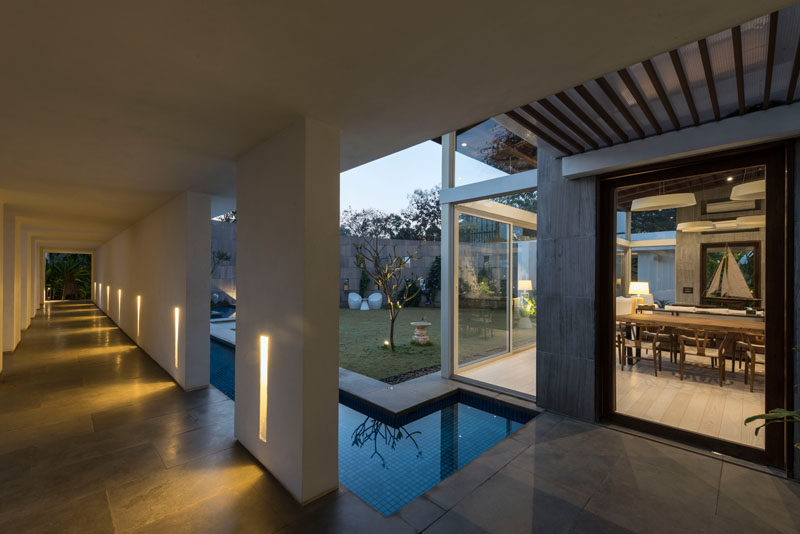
(523,331)
(495,330)
(483,274)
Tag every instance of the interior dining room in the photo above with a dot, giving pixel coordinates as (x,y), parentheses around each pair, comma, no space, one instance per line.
(690,291)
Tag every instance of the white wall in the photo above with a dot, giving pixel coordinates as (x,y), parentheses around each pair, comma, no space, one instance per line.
(165,258)
(2,283)
(11,331)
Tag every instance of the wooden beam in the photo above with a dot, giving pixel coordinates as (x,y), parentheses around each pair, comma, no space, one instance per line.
(600,110)
(736,37)
(576,109)
(620,105)
(687,92)
(773,37)
(712,90)
(522,121)
(637,95)
(566,121)
(547,123)
(662,94)
(795,72)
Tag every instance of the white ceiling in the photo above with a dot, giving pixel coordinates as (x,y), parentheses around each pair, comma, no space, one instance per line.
(109,109)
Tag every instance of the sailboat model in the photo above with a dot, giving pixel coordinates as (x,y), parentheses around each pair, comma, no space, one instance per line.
(728,281)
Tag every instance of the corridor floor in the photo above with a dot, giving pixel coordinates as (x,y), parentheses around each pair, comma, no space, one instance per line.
(95,437)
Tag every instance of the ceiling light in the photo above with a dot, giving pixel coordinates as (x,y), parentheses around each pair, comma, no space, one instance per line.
(751,221)
(729,178)
(662,202)
(696,226)
(463,144)
(726,225)
(750,191)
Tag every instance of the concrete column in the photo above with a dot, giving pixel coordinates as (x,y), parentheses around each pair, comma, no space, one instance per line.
(287,272)
(11,333)
(566,322)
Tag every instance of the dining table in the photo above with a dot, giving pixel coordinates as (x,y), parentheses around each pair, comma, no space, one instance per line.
(733,325)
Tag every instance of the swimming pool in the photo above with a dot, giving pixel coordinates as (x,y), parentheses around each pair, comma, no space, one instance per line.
(223,367)
(388,462)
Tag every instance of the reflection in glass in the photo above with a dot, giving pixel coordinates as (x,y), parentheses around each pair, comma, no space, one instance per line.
(482,288)
(523,332)
(493,151)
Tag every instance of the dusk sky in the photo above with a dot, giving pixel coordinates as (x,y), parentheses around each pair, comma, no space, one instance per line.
(385,183)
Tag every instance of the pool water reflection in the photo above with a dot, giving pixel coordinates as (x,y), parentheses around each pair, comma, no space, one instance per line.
(389,465)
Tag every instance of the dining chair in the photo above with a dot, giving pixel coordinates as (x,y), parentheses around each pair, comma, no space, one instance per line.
(696,343)
(639,340)
(755,354)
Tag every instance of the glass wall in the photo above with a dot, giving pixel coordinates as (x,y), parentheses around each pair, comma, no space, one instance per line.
(483,274)
(523,333)
(496,292)
(491,150)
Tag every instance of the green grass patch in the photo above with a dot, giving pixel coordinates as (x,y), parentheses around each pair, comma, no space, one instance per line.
(361,337)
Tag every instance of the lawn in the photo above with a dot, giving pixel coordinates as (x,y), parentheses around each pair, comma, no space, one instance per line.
(361,337)
(362,333)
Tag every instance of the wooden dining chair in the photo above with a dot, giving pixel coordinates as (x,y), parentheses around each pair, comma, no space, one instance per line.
(755,354)
(640,341)
(696,343)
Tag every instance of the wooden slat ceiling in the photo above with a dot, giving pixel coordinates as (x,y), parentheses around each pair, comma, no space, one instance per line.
(680,88)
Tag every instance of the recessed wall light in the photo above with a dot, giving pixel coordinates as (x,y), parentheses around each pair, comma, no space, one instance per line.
(262,389)
(729,178)
(463,144)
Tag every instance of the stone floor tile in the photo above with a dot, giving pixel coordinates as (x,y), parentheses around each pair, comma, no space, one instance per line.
(420,513)
(517,501)
(457,486)
(759,500)
(345,512)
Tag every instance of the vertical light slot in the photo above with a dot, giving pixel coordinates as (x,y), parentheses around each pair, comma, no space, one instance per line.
(262,389)
(108,296)
(119,306)
(177,330)
(138,312)
(100,296)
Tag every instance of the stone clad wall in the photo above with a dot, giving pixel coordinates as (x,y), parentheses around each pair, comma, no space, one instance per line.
(566,319)
(223,280)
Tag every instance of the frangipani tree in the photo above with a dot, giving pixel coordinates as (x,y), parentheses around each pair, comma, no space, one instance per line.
(385,269)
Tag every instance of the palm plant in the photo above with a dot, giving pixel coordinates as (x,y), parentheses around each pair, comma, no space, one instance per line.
(69,275)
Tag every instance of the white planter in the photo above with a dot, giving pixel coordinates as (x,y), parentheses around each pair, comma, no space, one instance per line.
(375,301)
(353,301)
(525,323)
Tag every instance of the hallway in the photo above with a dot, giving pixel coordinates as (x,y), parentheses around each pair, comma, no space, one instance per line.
(96,437)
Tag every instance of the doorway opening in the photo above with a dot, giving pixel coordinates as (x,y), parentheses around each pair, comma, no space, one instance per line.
(68,276)
(693,270)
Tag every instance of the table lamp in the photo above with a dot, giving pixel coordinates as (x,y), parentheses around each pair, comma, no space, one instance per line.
(524,285)
(638,289)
